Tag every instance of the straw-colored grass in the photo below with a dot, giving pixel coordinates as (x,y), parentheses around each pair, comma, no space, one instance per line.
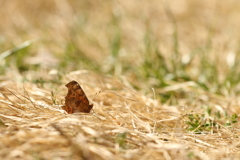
(123,124)
(168,72)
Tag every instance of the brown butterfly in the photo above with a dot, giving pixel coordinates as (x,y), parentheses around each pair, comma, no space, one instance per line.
(76,100)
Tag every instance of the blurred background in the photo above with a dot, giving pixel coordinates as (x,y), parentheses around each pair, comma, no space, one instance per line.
(152,44)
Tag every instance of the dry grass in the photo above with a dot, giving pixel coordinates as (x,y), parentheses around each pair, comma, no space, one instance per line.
(188,115)
(123,125)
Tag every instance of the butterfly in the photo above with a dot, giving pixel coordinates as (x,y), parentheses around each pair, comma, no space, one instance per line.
(76,100)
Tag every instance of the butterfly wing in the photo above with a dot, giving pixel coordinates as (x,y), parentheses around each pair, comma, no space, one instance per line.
(76,100)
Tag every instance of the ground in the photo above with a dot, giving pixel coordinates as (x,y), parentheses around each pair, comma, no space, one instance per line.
(162,75)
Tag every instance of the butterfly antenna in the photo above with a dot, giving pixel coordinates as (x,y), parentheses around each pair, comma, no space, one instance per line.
(96,96)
